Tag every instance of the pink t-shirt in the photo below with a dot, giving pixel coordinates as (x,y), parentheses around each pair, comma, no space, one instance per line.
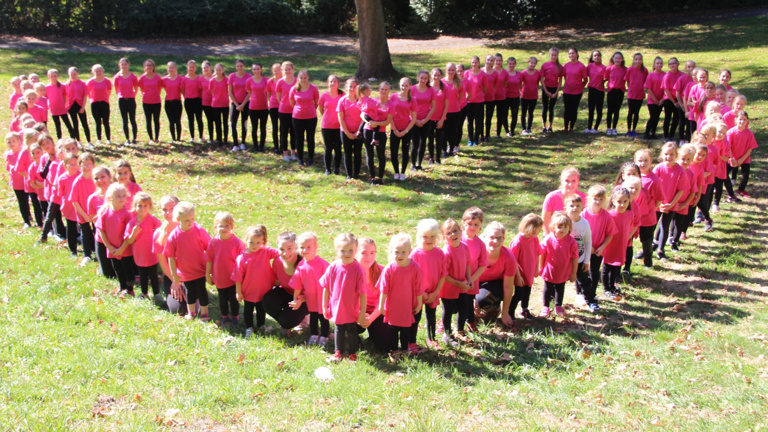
(554,200)
(402,110)
(239,85)
(346,283)
(596,72)
(514,84)
(142,245)
(33,174)
(49,189)
(172,87)
(653,84)
(558,258)
(207,96)
(526,251)
(741,142)
(125,86)
(437,114)
(372,293)
(304,102)
(283,88)
(501,84)
(271,85)
(668,83)
(12,100)
(63,190)
(575,74)
(652,189)
(150,88)
(729,119)
(38,113)
(99,91)
(693,186)
(258,94)
(95,201)
(330,116)
(76,92)
(188,248)
(505,266)
(671,180)
(223,254)
(491,78)
(456,262)
(474,85)
(133,189)
(17,180)
(254,272)
(615,253)
(82,189)
(723,150)
(640,208)
(433,268)
(193,88)
(374,109)
(551,72)
(219,93)
(57,98)
(306,280)
(601,224)
(113,223)
(23,161)
(530,84)
(280,277)
(615,77)
(423,101)
(478,257)
(705,166)
(402,286)
(635,79)
(351,113)
(683,84)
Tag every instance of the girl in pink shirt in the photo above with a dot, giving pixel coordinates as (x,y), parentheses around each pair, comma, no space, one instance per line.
(285,111)
(458,279)
(172,83)
(615,74)
(723,153)
(530,79)
(652,189)
(349,120)
(303,98)
(175,295)
(742,143)
(138,234)
(219,103)
(454,96)
(615,253)
(13,143)
(307,290)
(424,95)
(99,91)
(126,84)
(514,89)
(82,188)
(655,97)
(124,176)
(686,206)
(438,135)
(273,104)
(550,87)
(192,89)
(35,181)
(671,104)
(497,283)
(344,297)
(576,76)
(258,106)
(237,88)
(379,332)
(111,221)
(674,183)
(500,95)
(525,247)
(222,254)
(687,80)
(38,113)
(404,112)
(476,85)
(603,229)
(472,223)
(491,79)
(207,98)
(57,99)
(330,128)
(376,141)
(186,251)
(559,262)
(16,94)
(63,187)
(77,99)
(596,90)
(635,77)
(42,100)
(102,178)
(151,84)
(432,261)
(49,171)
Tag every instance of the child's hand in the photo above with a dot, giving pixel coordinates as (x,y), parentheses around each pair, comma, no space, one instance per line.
(585,267)
(239,296)
(572,278)
(209,279)
(507,320)
(519,280)
(327,314)
(295,304)
(417,309)
(383,310)
(177,292)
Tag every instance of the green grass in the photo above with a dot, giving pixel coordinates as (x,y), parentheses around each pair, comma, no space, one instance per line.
(684,351)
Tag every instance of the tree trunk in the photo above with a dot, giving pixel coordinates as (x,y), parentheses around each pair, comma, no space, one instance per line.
(375,61)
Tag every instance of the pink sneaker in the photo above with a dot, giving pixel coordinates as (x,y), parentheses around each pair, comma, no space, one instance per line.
(440,328)
(544,312)
(559,310)
(413,348)
(433,344)
(471,327)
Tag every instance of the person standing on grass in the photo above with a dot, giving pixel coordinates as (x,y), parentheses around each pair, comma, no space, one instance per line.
(330,128)
(404,112)
(192,89)
(172,84)
(126,85)
(218,88)
(221,255)
(635,78)
(16,147)
(602,229)
(742,144)
(492,78)
(526,249)
(475,84)
(274,115)
(258,107)
(655,95)
(550,88)
(57,99)
(458,280)
(674,183)
(530,79)
(671,103)
(175,295)
(307,292)
(436,140)
(514,89)
(500,96)
(102,178)
(424,95)
(349,119)
(614,255)
(682,88)
(77,99)
(207,99)
(151,84)
(285,112)
(138,234)
(596,91)
(237,89)
(431,259)
(454,97)
(99,90)
(111,221)
(471,224)
(569,184)
(559,262)
(82,188)
(615,74)
(253,276)
(576,77)
(303,98)
(375,136)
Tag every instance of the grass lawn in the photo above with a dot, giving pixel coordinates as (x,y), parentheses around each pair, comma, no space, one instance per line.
(685,349)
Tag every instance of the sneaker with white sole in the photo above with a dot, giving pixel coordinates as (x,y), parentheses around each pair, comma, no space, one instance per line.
(322,341)
(580,300)
(544,312)
(85,261)
(242,147)
(235,149)
(249,332)
(313,340)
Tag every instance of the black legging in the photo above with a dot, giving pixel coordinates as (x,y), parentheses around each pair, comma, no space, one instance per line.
(37,209)
(394,146)
(22,198)
(554,291)
(173,112)
(633,113)
(219,122)
(654,112)
(719,183)
(419,136)
(452,126)
(450,307)
(152,116)
(228,304)
(437,136)
(89,242)
(319,325)
(104,264)
(72,236)
(431,324)
(462,119)
(526,115)
(662,234)
(399,334)
(570,109)
(490,297)
(465,302)
(332,154)
(127,108)
(502,121)
(615,98)
(74,114)
(671,117)
(514,107)
(100,112)
(194,109)
(489,108)
(353,155)
(522,295)
(375,152)
(234,114)
(548,105)
(689,130)
(57,119)
(734,172)
(248,308)
(174,306)
(259,121)
(474,120)
(379,333)
(705,202)
(609,276)
(209,118)
(595,100)
(305,127)
(274,119)
(54,214)
(275,304)
(147,277)
(286,129)
(196,291)
(123,268)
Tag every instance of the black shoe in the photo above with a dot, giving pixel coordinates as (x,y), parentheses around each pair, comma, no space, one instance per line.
(661,255)
(337,172)
(639,255)
(310,162)
(527,315)
(675,247)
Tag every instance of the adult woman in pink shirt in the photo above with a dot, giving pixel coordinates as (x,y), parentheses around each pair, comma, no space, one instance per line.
(475,84)
(424,95)
(655,97)
(614,74)
(99,90)
(492,78)
(258,108)
(454,95)
(274,118)
(126,84)
(596,90)
(635,78)
(439,115)
(551,85)
(329,127)
(671,104)
(237,84)
(404,117)
(303,98)
(219,102)
(192,90)
(500,96)
(207,97)
(151,84)
(514,89)
(285,111)
(576,77)
(77,98)
(172,84)
(349,122)
(57,99)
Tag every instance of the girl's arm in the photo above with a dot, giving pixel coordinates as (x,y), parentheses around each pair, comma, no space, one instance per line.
(419,304)
(297,299)
(599,250)
(83,214)
(443,115)
(574,269)
(469,281)
(164,265)
(674,201)
(134,233)
(542,258)
(743,158)
(321,109)
(477,274)
(209,273)
(361,315)
(326,300)
(231,93)
(172,264)
(343,124)
(670,96)
(429,114)
(547,217)
(382,303)
(239,288)
(436,293)
(85,101)
(461,284)
(509,291)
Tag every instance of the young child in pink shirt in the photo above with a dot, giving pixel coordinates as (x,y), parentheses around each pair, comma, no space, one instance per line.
(525,247)
(432,261)
(82,188)
(15,148)
(222,254)
(138,234)
(36,185)
(559,262)
(742,143)
(615,252)
(307,290)
(458,278)
(401,290)
(472,224)
(370,109)
(688,200)
(102,178)
(344,297)
(603,229)
(186,251)
(63,187)
(111,221)
(722,179)
(674,183)
(50,165)
(124,176)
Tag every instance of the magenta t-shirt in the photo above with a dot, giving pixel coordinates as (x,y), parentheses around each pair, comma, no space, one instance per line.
(437,114)
(596,72)
(172,87)
(254,272)
(346,283)
(280,277)
(192,88)
(271,86)
(304,102)
(82,189)
(283,88)
(551,73)
(478,257)
(223,255)
(671,180)
(723,150)
(402,286)
(351,113)
(142,244)
(615,253)
(95,201)
(219,93)
(575,73)
(150,88)
(514,84)
(451,96)
(33,174)
(63,190)
(491,78)
(330,116)
(635,79)
(207,96)
(371,292)
(682,85)
(48,189)
(402,110)
(558,258)
(668,83)
(615,77)
(16,180)
(125,86)
(526,251)
(456,262)
(653,84)
(76,91)
(530,84)
(433,268)
(474,85)
(741,141)
(501,84)
(113,223)
(188,248)
(99,91)
(258,94)
(239,85)
(57,98)
(423,101)
(505,266)
(652,189)
(601,224)
(554,200)
(306,280)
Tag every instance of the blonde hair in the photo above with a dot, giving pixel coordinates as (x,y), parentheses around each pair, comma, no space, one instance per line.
(634,182)
(738,97)
(305,237)
(183,208)
(560,219)
(30,135)
(342,239)
(721,127)
(472,213)
(449,224)
(687,149)
(670,145)
(100,169)
(401,239)
(286,64)
(10,136)
(139,198)
(225,217)
(164,201)
(494,226)
(597,191)
(530,224)
(427,226)
(258,230)
(567,172)
(709,129)
(109,195)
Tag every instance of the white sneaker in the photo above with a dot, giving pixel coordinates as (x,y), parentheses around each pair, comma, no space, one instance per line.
(85,262)
(580,301)
(235,149)
(313,340)
(109,142)
(248,332)
(151,142)
(322,341)
(587,130)
(525,133)
(242,147)
(402,176)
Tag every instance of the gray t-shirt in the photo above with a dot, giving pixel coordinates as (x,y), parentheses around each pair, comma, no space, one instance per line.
(583,235)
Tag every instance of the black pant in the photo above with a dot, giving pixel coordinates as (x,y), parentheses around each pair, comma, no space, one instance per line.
(502,121)
(436,142)
(353,155)
(595,99)
(373,152)
(319,325)
(105,266)
(57,119)
(571,109)
(609,276)
(553,291)
(526,115)
(452,125)
(419,136)
(431,324)
(671,118)
(228,303)
(148,276)
(54,214)
(72,236)
(548,106)
(514,107)
(196,291)
(462,119)
(633,113)
(219,122)
(22,199)
(615,98)
(173,112)
(628,256)
(685,132)
(394,147)
(75,114)
(274,119)
(719,183)
(127,108)
(450,307)
(464,303)
(491,295)
(705,202)
(304,127)
(489,107)
(248,308)
(286,130)
(346,335)
(332,154)
(400,334)
(584,283)
(275,304)
(123,269)
(654,112)
(379,333)
(37,208)
(522,295)
(474,120)
(595,262)
(89,242)
(259,121)
(194,109)
(733,172)
(209,118)
(152,116)
(100,112)
(662,233)
(234,114)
